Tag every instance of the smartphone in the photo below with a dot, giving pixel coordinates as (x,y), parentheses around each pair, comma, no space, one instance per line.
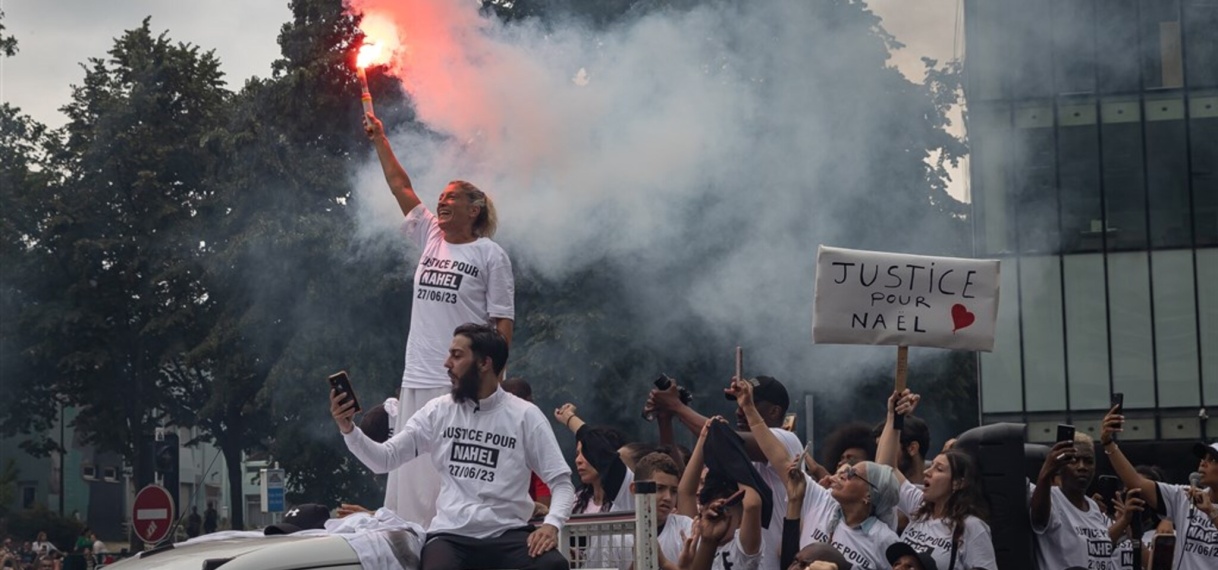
(788,421)
(1065,432)
(1107,486)
(1117,401)
(1164,551)
(342,385)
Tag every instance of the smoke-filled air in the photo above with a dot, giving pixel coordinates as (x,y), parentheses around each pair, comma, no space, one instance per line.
(696,157)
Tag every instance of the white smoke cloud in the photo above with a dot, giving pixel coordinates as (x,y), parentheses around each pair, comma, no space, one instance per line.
(642,144)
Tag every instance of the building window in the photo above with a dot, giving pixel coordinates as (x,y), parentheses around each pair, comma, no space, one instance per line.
(1203,125)
(1086,330)
(1162,58)
(28,494)
(1133,371)
(1073,45)
(1034,192)
(1124,188)
(1079,173)
(1167,174)
(1116,26)
(1002,369)
(1043,344)
(110,474)
(1207,315)
(89,472)
(1201,50)
(1175,328)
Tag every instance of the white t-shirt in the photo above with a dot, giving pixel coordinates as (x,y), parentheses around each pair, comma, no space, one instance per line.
(1075,538)
(670,539)
(772,554)
(454,284)
(614,550)
(484,454)
(976,548)
(864,546)
(1196,536)
(731,557)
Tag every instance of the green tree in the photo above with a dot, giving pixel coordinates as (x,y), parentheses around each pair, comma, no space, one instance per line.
(122,286)
(298,298)
(8,44)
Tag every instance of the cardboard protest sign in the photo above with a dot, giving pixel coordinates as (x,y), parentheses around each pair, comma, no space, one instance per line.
(871,297)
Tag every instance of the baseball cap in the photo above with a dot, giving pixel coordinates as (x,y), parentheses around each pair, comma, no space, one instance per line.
(769,389)
(1202,450)
(898,549)
(308,516)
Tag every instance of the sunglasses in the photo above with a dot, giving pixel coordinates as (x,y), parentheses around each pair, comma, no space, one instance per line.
(850,473)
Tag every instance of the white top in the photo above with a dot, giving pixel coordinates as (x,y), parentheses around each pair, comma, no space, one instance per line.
(863,546)
(670,539)
(1196,536)
(484,453)
(1075,538)
(976,548)
(772,554)
(454,284)
(731,556)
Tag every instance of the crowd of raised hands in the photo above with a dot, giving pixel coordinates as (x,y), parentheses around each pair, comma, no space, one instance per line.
(751,496)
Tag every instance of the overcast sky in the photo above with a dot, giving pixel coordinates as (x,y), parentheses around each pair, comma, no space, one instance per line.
(56,36)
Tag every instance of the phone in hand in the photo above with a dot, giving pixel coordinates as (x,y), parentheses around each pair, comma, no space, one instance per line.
(1065,432)
(1117,402)
(1164,551)
(1107,486)
(342,386)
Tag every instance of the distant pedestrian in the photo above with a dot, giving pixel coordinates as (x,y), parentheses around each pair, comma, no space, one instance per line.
(210,518)
(193,522)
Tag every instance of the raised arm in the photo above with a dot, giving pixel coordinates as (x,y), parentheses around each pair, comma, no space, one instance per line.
(889,449)
(1113,423)
(565,415)
(669,401)
(762,438)
(1041,504)
(379,457)
(750,523)
(395,175)
(687,489)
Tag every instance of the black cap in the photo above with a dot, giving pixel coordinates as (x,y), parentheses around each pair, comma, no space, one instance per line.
(1203,451)
(898,549)
(769,389)
(308,516)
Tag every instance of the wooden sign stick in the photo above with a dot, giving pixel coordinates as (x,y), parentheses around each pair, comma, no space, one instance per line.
(898,420)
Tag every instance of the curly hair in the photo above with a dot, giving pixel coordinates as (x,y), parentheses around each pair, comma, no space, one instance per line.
(848,436)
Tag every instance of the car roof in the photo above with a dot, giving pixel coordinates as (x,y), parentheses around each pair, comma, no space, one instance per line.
(283,552)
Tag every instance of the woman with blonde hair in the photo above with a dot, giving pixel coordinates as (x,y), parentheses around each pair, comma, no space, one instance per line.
(462,277)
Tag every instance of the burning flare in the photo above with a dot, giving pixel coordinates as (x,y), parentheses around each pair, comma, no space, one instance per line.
(369,54)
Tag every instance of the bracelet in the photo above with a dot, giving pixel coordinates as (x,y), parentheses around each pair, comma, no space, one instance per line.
(568,422)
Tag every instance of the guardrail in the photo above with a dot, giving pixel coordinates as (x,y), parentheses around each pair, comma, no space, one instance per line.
(614,540)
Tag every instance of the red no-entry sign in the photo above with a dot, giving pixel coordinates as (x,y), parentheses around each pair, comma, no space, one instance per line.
(152,513)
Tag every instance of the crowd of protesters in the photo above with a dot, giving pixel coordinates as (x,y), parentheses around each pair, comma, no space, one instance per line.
(747,496)
(87,551)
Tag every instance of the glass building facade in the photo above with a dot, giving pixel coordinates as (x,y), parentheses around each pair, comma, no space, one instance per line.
(1093,126)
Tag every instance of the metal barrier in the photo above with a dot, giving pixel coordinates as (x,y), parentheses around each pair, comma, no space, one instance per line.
(614,540)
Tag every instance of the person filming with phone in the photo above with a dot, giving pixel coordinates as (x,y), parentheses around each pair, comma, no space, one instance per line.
(1191,508)
(484,443)
(462,277)
(1070,528)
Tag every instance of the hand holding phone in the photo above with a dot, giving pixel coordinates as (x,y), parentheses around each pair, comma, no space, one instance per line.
(341,385)
(1065,432)
(1116,404)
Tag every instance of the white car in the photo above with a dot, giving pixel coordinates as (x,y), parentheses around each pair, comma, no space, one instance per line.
(283,552)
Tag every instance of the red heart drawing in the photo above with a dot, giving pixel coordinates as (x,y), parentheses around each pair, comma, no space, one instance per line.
(961,317)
